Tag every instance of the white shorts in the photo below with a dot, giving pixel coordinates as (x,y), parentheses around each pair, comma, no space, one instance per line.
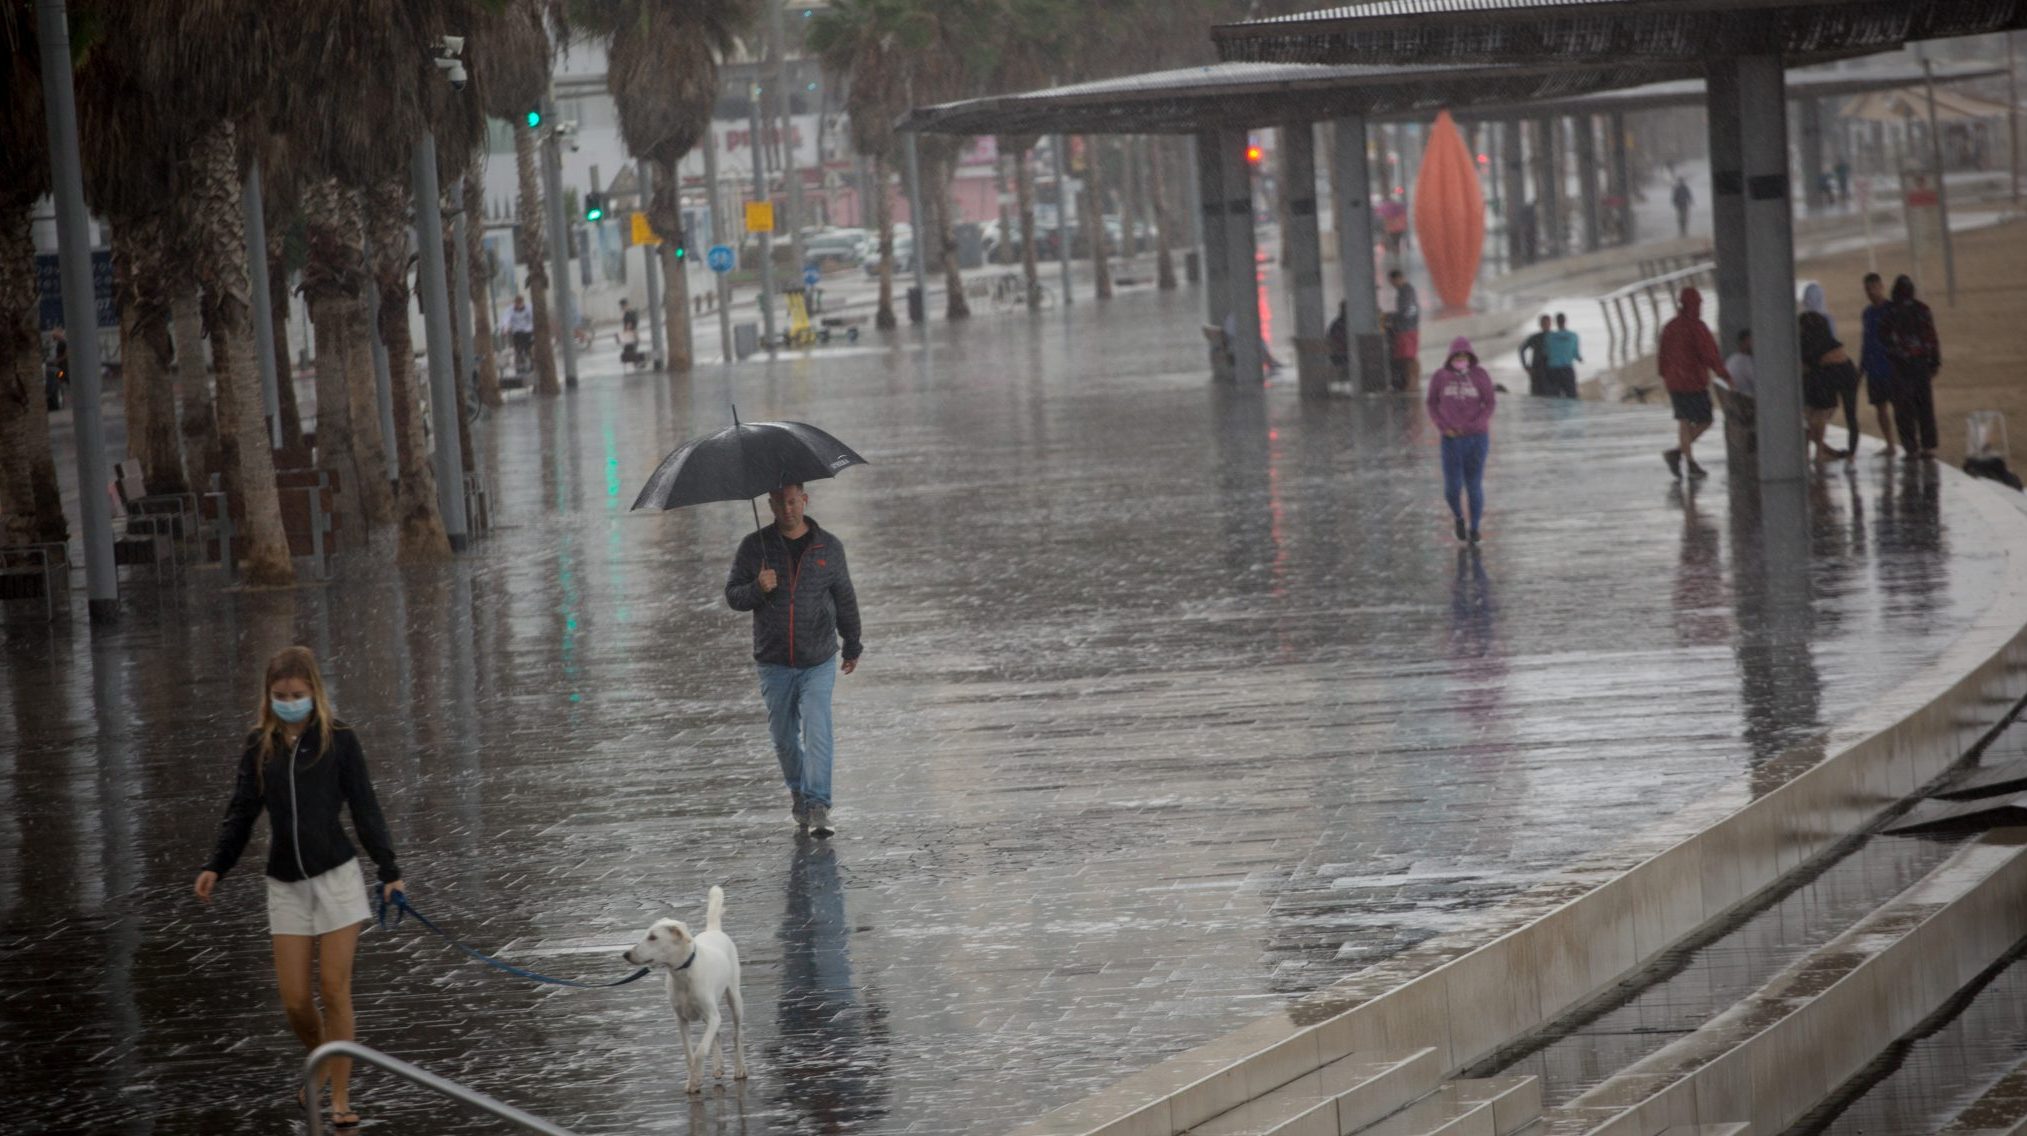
(320,904)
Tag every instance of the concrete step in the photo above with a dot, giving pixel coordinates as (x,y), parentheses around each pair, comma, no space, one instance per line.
(1497,1106)
(1339,1098)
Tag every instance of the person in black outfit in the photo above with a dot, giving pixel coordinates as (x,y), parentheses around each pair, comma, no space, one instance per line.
(1829,379)
(1534,360)
(303,765)
(1916,355)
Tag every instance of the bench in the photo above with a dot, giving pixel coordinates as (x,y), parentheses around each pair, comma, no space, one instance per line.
(309,508)
(36,572)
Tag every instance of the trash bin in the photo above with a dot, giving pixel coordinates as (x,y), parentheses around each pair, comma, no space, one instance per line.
(745,339)
(916,310)
(1985,435)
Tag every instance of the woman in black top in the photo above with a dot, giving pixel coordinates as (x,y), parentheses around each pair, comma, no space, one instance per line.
(302,765)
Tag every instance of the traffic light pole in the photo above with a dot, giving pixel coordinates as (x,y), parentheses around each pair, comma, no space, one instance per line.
(444,420)
(651,256)
(80,309)
(767,238)
(559,236)
(461,318)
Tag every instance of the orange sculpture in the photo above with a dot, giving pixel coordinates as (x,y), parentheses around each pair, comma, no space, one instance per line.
(1450,214)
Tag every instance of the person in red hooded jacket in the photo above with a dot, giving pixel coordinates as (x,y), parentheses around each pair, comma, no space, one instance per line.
(1688,357)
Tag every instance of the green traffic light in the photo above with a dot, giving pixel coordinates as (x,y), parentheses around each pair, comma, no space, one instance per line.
(534,119)
(681,252)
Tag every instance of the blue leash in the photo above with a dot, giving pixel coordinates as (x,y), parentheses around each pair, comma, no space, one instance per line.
(402,911)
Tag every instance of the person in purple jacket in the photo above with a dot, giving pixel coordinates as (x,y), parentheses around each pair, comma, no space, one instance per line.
(1460,400)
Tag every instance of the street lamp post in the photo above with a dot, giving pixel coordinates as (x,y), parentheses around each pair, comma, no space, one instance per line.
(559,238)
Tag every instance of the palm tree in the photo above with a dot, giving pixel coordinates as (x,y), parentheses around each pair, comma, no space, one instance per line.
(858,44)
(510,53)
(662,69)
(28,488)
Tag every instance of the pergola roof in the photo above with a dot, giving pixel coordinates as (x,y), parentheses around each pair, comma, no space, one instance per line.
(1237,95)
(1524,31)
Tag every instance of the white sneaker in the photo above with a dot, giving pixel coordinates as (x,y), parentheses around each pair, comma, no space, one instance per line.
(820,821)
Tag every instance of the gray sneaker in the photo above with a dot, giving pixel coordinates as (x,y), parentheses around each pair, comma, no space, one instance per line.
(820,820)
(799,809)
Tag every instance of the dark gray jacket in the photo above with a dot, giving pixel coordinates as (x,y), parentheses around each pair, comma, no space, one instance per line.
(812,605)
(302,806)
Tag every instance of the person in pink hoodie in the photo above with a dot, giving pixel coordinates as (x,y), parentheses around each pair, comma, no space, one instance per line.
(1461,398)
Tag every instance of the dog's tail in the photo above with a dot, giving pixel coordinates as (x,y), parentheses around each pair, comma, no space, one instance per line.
(714,912)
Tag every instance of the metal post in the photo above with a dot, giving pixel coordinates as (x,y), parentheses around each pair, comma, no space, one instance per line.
(1621,175)
(1727,201)
(2013,108)
(1353,177)
(919,246)
(559,241)
(1513,163)
(444,421)
(253,210)
(791,173)
(1587,179)
(383,381)
(1770,252)
(1241,258)
(461,314)
(1935,144)
(1062,213)
(1812,155)
(1210,177)
(767,238)
(720,281)
(651,258)
(1548,188)
(80,309)
(1304,245)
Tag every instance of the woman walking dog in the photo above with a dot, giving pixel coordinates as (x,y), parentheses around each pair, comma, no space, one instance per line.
(302,765)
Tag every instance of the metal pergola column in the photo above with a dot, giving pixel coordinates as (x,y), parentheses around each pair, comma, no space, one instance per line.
(1727,202)
(1352,181)
(1242,283)
(1210,180)
(1770,266)
(1303,244)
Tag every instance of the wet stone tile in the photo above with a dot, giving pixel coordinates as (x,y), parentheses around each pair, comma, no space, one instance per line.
(1178,704)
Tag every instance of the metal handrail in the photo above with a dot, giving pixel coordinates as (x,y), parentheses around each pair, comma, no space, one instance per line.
(415,1075)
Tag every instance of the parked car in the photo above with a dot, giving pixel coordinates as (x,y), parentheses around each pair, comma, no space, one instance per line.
(904,251)
(837,248)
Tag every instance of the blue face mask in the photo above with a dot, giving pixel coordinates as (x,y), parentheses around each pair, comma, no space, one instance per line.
(291,710)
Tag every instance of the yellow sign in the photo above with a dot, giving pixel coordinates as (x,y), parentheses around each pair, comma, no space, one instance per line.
(760,216)
(644,233)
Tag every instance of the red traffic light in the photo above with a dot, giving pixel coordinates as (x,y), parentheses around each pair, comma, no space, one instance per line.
(1253,155)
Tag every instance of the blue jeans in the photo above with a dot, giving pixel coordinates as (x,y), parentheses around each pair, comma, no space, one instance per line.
(799,716)
(1464,473)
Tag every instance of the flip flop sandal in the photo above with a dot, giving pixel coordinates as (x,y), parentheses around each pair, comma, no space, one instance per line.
(347,1121)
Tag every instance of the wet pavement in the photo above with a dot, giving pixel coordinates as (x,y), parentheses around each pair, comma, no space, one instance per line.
(1178,703)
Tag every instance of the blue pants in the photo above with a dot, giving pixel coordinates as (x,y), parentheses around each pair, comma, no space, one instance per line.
(799,716)
(1464,473)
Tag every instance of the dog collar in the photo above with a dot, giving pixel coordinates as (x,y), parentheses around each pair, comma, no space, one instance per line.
(688,961)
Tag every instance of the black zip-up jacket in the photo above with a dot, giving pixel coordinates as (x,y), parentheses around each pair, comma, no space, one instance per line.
(306,824)
(812,605)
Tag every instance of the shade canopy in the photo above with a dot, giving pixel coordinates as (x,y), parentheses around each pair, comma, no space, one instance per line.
(1575,31)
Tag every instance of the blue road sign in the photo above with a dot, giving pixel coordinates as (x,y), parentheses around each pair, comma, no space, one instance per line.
(719,258)
(810,276)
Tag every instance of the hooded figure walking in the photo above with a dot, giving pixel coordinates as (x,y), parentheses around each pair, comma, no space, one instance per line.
(1916,355)
(1461,398)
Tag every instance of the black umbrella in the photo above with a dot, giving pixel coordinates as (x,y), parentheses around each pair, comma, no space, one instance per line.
(742,462)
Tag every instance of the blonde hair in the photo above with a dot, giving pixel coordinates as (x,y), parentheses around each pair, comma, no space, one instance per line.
(296,663)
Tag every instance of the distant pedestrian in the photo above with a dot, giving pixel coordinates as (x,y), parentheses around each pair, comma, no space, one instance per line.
(1530,233)
(792,577)
(1406,332)
(1874,361)
(1843,182)
(1534,359)
(1824,354)
(1338,336)
(1916,355)
(1739,364)
(1683,200)
(519,323)
(1565,351)
(1687,356)
(1461,400)
(1824,367)
(303,765)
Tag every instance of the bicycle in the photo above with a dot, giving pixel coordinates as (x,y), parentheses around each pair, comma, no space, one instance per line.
(1010,289)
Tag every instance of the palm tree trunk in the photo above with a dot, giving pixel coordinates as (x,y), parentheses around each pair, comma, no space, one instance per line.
(27,464)
(220,264)
(531,250)
(147,353)
(482,324)
(333,281)
(1024,190)
(1164,239)
(278,310)
(666,217)
(193,382)
(883,218)
(955,306)
(1094,217)
(422,532)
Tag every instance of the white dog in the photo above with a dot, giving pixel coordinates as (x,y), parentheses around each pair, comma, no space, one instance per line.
(699,970)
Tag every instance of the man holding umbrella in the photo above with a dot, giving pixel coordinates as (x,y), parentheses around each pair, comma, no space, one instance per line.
(792,576)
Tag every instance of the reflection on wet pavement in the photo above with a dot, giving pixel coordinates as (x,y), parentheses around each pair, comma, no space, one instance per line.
(1177,703)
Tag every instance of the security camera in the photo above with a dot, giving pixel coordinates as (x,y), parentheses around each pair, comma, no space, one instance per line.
(453,45)
(453,70)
